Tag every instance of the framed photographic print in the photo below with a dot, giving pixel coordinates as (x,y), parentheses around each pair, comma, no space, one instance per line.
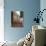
(17,18)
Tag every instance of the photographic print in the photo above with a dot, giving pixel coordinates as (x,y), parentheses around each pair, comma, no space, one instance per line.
(17,18)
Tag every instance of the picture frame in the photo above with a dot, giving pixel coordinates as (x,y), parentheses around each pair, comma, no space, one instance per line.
(17,18)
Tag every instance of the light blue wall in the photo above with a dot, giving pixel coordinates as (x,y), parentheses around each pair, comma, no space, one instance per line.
(43,6)
(29,7)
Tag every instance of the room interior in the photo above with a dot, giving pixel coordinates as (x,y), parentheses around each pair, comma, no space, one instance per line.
(32,33)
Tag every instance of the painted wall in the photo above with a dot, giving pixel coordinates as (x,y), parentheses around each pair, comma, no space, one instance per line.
(1,21)
(30,7)
(43,6)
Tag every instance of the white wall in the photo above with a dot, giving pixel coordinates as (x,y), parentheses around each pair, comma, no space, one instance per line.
(1,21)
